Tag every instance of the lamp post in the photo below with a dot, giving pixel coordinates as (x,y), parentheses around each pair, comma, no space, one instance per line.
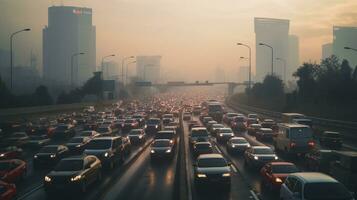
(126,71)
(350,48)
(112,55)
(284,65)
(272,56)
(74,55)
(122,67)
(250,63)
(11,55)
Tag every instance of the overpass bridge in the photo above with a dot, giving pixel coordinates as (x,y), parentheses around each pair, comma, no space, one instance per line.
(231,85)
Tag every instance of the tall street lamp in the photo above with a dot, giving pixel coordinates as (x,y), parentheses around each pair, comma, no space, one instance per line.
(126,71)
(250,63)
(11,55)
(112,55)
(350,48)
(284,65)
(73,55)
(122,67)
(272,56)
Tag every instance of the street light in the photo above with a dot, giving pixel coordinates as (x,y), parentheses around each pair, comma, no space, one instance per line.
(272,56)
(11,62)
(112,55)
(122,67)
(350,48)
(126,71)
(284,63)
(250,62)
(73,55)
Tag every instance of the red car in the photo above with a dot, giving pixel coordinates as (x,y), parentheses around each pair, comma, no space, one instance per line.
(10,152)
(12,170)
(275,173)
(7,191)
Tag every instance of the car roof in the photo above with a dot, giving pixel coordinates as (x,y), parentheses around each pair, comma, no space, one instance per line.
(313,177)
(106,138)
(202,143)
(294,125)
(266,129)
(199,128)
(261,147)
(238,138)
(212,155)
(158,140)
(281,163)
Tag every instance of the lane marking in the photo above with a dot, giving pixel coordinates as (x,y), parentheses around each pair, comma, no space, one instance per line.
(234,168)
(218,149)
(30,192)
(255,196)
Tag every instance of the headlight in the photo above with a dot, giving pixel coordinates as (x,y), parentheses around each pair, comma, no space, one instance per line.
(53,155)
(152,151)
(106,154)
(233,145)
(2,155)
(35,156)
(201,175)
(76,178)
(226,175)
(78,145)
(276,157)
(171,141)
(168,151)
(256,158)
(278,180)
(48,179)
(221,135)
(248,145)
(232,134)
(140,136)
(156,126)
(145,126)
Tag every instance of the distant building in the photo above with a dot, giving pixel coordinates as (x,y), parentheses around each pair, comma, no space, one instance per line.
(148,68)
(273,32)
(111,70)
(326,50)
(293,60)
(345,37)
(69,31)
(243,74)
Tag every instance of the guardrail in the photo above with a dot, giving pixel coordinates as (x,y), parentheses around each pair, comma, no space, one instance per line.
(326,123)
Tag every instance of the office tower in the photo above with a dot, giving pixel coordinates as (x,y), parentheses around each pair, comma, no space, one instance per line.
(326,50)
(345,37)
(292,63)
(148,68)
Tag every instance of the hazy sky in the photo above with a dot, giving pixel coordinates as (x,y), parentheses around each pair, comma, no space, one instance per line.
(194,35)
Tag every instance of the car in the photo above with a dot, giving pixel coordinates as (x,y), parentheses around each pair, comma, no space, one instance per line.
(202,148)
(198,134)
(214,129)
(209,124)
(229,116)
(130,124)
(252,116)
(264,134)
(331,139)
(238,123)
(89,133)
(73,174)
(319,160)
(224,134)
(171,128)
(140,119)
(90,126)
(313,185)
(187,116)
(10,152)
(17,139)
(170,135)
(152,125)
(274,174)
(137,136)
(205,120)
(268,123)
(110,150)
(253,128)
(12,170)
(49,155)
(237,145)
(161,148)
(197,110)
(258,156)
(63,131)
(7,191)
(105,131)
(250,121)
(212,169)
(76,145)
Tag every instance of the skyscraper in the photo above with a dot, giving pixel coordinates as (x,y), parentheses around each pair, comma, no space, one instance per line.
(326,50)
(148,68)
(69,31)
(293,60)
(273,32)
(345,37)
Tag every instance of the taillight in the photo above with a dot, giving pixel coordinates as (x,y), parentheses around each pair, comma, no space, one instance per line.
(292,144)
(311,144)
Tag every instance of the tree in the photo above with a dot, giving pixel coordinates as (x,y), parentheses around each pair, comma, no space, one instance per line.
(306,82)
(42,96)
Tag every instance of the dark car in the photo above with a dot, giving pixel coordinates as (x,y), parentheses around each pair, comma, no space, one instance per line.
(224,134)
(265,134)
(130,124)
(10,152)
(331,139)
(104,130)
(258,156)
(162,148)
(153,125)
(109,150)
(64,131)
(170,135)
(77,145)
(7,191)
(50,155)
(12,170)
(238,123)
(253,129)
(140,119)
(320,160)
(74,173)
(137,136)
(202,148)
(237,145)
(198,134)
(89,133)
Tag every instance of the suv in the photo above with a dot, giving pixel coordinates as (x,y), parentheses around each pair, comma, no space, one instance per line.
(293,139)
(109,149)
(198,134)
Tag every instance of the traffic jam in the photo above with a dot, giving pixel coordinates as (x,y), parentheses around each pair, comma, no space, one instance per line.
(152,147)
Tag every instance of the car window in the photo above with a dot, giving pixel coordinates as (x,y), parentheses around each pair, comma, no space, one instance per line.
(298,187)
(290,183)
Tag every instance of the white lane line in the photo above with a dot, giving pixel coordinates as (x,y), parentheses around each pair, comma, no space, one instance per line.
(234,168)
(23,196)
(218,150)
(255,197)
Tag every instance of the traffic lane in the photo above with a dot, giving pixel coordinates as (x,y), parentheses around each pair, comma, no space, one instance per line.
(146,179)
(96,190)
(238,188)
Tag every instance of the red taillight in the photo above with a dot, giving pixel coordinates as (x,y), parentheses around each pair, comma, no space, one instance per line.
(311,143)
(292,144)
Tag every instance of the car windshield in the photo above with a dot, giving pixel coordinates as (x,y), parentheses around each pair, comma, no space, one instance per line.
(284,169)
(153,121)
(134,132)
(225,130)
(103,130)
(69,165)
(161,143)
(86,134)
(215,108)
(4,166)
(212,162)
(199,133)
(263,151)
(326,191)
(99,144)
(203,146)
(239,141)
(217,126)
(76,140)
(302,132)
(48,150)
(164,135)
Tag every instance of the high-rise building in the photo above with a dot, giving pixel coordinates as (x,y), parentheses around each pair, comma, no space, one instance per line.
(111,70)
(148,68)
(345,37)
(326,50)
(69,31)
(293,60)
(273,32)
